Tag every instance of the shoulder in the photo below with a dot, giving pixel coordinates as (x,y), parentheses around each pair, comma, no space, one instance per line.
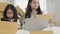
(44,12)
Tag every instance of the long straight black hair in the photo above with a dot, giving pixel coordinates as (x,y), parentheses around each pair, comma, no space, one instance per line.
(12,7)
(29,10)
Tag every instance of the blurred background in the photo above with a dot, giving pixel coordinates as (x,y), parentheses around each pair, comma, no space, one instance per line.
(23,4)
(47,6)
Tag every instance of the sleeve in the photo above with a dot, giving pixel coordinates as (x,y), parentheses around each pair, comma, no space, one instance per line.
(23,19)
(18,22)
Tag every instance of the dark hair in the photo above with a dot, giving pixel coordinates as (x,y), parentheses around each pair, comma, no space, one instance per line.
(15,16)
(29,10)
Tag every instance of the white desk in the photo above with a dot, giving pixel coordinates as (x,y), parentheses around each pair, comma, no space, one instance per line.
(22,32)
(56,30)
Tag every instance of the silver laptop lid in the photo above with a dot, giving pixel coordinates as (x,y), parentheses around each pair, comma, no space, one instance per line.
(35,24)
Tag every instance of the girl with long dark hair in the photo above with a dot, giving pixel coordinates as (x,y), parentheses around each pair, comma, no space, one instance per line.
(33,9)
(10,14)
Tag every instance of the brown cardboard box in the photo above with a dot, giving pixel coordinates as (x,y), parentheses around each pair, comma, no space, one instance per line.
(41,32)
(8,27)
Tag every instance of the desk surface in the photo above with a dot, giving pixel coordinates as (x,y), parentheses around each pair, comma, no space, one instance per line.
(56,30)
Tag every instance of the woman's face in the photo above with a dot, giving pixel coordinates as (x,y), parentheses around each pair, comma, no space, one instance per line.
(9,13)
(34,4)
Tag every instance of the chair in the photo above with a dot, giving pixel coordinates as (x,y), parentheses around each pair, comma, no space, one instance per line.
(20,11)
(48,16)
(2,7)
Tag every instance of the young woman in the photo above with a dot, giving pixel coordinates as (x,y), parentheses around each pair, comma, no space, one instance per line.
(10,14)
(32,10)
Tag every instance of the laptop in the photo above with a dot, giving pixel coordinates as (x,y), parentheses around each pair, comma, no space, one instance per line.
(35,24)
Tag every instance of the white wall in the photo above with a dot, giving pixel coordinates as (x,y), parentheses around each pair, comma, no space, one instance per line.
(3,0)
(8,1)
(53,7)
(23,4)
